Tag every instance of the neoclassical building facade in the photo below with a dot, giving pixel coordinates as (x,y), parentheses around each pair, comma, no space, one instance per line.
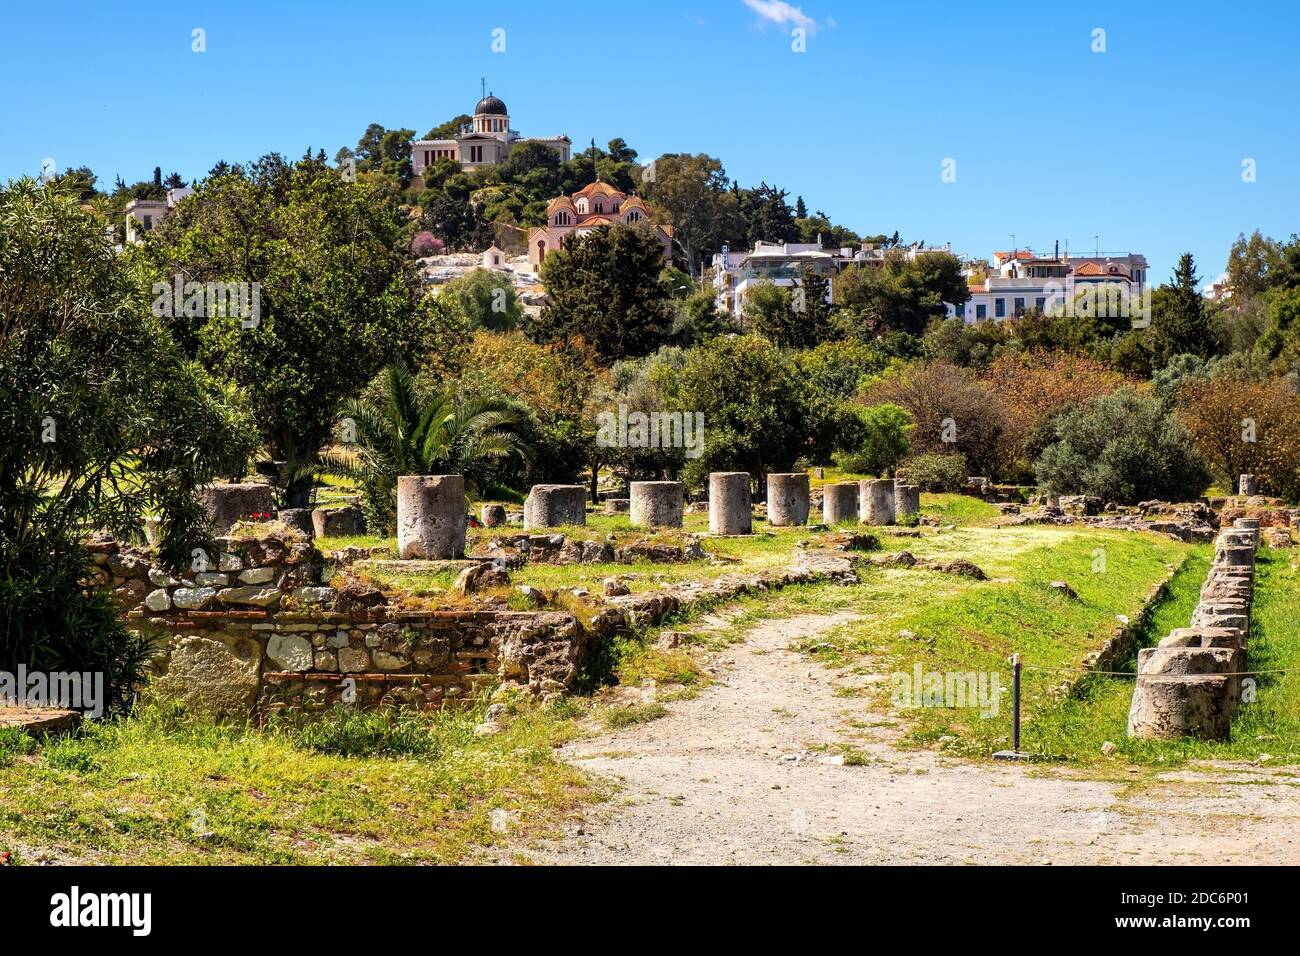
(487,139)
(591,207)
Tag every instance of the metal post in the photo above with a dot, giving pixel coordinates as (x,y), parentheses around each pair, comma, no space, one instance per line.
(1015,702)
(1014,753)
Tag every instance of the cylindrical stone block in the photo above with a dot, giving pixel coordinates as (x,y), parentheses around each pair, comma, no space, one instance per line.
(617,506)
(492,516)
(431,516)
(657,504)
(1169,707)
(876,501)
(787,499)
(840,502)
(1246,485)
(227,504)
(730,509)
(907,498)
(553,506)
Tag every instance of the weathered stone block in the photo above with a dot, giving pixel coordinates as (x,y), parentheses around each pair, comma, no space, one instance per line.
(229,503)
(840,502)
(876,501)
(787,499)
(339,522)
(290,651)
(657,504)
(1166,708)
(213,676)
(191,599)
(731,510)
(431,516)
(554,506)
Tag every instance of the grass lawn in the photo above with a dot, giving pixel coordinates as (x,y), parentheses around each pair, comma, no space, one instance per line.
(1075,729)
(366,788)
(950,624)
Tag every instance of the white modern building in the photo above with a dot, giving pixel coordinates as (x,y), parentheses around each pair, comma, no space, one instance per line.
(782,264)
(142,215)
(1016,282)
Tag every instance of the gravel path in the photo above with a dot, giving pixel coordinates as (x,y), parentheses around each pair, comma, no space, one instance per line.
(728,777)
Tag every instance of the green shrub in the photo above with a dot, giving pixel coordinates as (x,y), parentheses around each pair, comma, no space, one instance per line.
(881,440)
(366,733)
(14,742)
(935,473)
(1124,447)
(75,754)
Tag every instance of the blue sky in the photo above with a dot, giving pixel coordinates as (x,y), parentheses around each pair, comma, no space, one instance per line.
(1142,144)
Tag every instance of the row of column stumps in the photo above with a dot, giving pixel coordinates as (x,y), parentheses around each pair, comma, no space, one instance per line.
(431,520)
(1190,684)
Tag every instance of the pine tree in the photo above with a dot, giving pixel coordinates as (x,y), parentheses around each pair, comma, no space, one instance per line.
(800,210)
(1180,325)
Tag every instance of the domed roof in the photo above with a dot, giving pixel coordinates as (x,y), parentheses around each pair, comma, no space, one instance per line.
(491,106)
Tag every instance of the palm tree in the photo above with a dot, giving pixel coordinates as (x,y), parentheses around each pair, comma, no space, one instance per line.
(400,435)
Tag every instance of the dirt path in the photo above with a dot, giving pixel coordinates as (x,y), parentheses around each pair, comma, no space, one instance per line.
(728,777)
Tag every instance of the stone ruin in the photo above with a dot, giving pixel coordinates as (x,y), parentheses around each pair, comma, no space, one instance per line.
(1189,685)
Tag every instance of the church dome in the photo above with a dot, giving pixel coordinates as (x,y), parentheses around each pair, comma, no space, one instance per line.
(490,106)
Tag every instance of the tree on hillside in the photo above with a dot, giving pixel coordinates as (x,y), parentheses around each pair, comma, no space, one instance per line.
(691,193)
(797,316)
(951,411)
(1242,426)
(767,215)
(1250,262)
(604,286)
(105,421)
(338,296)
(484,299)
(754,416)
(901,295)
(1034,388)
(1179,324)
(1124,447)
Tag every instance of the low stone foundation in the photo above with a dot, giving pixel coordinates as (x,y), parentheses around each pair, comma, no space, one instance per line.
(1189,685)
(261,631)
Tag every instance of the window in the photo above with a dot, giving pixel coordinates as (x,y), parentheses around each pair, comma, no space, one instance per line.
(633,216)
(981,311)
(561,218)
(1000,308)
(600,207)
(1020,306)
(148,223)
(1040,302)
(476,154)
(582,206)
(961,311)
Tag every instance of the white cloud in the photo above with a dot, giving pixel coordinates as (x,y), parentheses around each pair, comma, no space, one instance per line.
(782,14)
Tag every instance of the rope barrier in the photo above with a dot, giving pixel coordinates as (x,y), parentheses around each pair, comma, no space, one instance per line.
(1086,670)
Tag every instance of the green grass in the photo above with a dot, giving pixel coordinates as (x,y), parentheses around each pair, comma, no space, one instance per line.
(951,624)
(616,718)
(961,510)
(372,787)
(1076,728)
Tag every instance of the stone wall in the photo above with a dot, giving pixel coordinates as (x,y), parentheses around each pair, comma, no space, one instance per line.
(260,631)
(1189,685)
